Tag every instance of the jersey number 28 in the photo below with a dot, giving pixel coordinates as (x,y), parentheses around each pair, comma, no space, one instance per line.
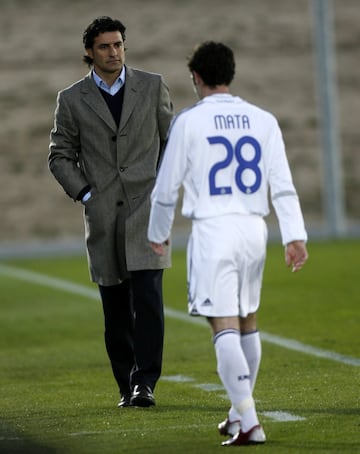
(243,164)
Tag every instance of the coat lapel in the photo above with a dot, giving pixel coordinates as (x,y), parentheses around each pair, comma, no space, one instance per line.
(96,102)
(130,96)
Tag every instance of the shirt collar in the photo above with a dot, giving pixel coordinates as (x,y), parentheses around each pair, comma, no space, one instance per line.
(115,87)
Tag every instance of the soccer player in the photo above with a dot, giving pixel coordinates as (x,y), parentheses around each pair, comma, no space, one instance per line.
(227,153)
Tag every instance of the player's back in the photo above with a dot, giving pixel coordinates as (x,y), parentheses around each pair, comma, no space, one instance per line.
(230,145)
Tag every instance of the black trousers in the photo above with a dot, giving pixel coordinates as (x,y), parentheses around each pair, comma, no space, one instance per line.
(134,328)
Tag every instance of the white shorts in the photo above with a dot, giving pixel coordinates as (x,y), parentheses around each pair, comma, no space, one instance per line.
(225,263)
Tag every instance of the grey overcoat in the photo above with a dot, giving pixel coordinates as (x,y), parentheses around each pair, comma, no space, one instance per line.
(120,165)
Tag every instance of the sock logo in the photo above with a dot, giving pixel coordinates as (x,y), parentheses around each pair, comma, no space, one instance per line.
(243,377)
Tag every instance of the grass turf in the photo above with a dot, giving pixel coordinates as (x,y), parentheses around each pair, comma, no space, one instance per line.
(57,394)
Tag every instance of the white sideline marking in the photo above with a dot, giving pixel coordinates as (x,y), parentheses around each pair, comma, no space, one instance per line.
(177,378)
(82,290)
(209,387)
(282,416)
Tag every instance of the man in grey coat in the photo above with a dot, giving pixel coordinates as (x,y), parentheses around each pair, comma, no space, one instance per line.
(105,149)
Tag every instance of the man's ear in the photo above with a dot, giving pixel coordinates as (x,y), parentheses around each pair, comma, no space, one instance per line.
(89,53)
(196,78)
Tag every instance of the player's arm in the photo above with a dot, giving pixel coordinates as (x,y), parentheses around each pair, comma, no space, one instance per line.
(284,197)
(166,190)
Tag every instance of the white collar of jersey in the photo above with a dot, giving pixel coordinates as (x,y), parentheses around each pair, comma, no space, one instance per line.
(227,97)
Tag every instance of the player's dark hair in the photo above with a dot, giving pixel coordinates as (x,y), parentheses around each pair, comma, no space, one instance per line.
(214,62)
(99,25)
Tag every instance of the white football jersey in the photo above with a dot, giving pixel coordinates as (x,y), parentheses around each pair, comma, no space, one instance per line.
(226,153)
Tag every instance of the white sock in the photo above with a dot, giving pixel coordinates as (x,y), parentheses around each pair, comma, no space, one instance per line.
(251,346)
(234,373)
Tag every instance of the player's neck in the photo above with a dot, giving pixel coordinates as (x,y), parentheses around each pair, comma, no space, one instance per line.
(219,89)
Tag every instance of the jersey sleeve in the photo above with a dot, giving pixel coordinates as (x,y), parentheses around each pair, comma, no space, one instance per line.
(165,194)
(284,197)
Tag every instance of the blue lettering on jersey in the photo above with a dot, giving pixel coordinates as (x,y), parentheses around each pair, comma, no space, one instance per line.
(232,121)
(242,165)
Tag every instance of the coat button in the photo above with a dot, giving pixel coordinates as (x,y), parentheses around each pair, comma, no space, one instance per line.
(120,203)
(122,169)
(113,138)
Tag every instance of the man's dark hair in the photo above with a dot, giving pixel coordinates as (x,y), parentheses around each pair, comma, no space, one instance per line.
(99,25)
(214,62)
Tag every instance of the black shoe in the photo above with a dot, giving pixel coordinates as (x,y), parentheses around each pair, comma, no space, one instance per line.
(142,396)
(125,401)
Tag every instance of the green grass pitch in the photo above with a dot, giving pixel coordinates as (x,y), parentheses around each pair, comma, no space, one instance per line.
(57,394)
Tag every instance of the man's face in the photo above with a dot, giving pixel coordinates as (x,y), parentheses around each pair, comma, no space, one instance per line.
(108,53)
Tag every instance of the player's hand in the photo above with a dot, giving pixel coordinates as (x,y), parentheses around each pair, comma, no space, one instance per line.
(159,248)
(296,255)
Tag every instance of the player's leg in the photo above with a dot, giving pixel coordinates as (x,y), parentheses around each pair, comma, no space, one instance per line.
(251,267)
(250,264)
(233,369)
(251,345)
(213,278)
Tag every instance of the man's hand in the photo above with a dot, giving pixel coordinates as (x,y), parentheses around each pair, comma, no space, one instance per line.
(296,255)
(159,248)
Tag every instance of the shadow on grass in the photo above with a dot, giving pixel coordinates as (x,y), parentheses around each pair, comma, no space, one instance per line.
(14,442)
